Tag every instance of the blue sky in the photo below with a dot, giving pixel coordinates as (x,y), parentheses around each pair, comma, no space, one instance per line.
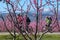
(46,7)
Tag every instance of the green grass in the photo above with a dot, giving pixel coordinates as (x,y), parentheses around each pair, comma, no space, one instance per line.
(46,37)
(51,37)
(9,37)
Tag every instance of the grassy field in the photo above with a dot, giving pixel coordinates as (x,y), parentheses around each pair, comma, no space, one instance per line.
(51,37)
(46,37)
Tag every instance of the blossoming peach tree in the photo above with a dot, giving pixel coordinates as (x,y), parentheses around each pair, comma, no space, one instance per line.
(11,23)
